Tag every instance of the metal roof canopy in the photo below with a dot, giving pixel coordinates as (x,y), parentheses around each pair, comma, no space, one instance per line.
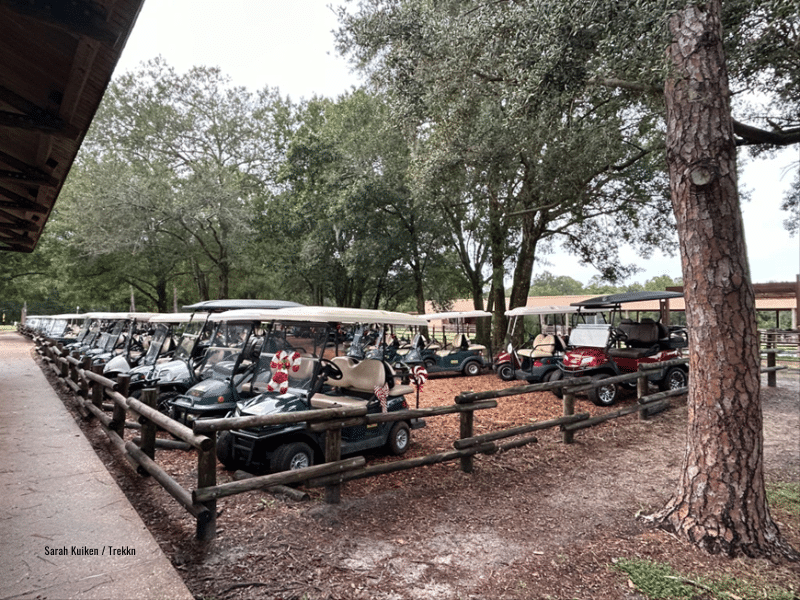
(56,61)
(612,300)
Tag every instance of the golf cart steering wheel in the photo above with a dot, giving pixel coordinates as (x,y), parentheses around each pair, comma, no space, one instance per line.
(618,334)
(330,370)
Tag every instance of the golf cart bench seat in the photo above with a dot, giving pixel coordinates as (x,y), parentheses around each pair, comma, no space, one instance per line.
(364,376)
(543,345)
(642,338)
(460,342)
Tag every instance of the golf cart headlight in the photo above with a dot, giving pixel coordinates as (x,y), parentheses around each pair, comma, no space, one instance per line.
(164,374)
(585,360)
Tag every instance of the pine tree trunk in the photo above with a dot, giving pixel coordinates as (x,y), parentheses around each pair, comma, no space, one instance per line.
(721,501)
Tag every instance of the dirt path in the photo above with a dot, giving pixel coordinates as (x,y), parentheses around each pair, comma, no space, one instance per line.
(543,521)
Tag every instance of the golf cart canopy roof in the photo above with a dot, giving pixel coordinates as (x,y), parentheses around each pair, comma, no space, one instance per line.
(322,314)
(546,310)
(139,316)
(467,314)
(70,316)
(172,318)
(236,304)
(337,314)
(613,300)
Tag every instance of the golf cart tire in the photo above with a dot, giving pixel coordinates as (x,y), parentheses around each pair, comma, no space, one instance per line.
(164,402)
(603,395)
(556,375)
(674,379)
(225,451)
(506,372)
(399,438)
(291,457)
(430,364)
(472,368)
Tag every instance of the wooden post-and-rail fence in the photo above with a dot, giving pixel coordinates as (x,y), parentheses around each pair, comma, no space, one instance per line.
(92,389)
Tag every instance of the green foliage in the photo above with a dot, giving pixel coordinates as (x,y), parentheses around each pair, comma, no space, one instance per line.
(785,497)
(659,580)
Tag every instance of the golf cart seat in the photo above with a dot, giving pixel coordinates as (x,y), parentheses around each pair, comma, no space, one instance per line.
(641,339)
(461,342)
(359,377)
(543,345)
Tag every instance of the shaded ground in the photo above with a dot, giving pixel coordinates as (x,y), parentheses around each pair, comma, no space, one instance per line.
(543,521)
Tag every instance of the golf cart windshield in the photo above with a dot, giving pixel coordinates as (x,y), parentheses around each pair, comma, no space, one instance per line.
(190,338)
(593,336)
(156,343)
(224,349)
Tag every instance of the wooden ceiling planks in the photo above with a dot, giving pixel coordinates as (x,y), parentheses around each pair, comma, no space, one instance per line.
(56,60)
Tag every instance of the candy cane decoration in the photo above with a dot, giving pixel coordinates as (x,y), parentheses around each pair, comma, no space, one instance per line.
(382,393)
(280,364)
(419,375)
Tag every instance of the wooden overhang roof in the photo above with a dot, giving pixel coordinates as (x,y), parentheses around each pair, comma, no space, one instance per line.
(56,60)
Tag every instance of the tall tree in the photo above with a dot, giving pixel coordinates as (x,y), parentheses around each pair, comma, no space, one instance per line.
(498,93)
(721,501)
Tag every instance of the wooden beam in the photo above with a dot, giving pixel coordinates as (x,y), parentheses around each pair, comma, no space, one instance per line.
(20,202)
(81,17)
(16,223)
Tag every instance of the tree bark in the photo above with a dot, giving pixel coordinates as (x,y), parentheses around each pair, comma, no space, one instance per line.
(720,504)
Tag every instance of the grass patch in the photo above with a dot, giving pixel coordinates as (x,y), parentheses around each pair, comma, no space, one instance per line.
(784,497)
(659,581)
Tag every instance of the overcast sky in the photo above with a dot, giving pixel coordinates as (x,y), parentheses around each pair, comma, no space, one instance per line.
(288,44)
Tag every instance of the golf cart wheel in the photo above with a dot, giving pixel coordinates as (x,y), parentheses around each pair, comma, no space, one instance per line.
(225,451)
(163,401)
(556,375)
(506,372)
(674,379)
(291,457)
(472,368)
(603,395)
(399,438)
(429,364)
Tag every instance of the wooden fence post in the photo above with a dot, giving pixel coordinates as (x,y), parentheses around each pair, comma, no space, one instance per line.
(207,477)
(86,365)
(772,379)
(569,410)
(333,453)
(148,442)
(97,387)
(120,413)
(641,392)
(467,422)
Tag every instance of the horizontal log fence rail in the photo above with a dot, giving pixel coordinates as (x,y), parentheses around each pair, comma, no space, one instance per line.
(92,390)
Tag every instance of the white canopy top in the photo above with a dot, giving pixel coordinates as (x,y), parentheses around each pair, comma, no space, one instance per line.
(467,314)
(139,316)
(183,317)
(322,314)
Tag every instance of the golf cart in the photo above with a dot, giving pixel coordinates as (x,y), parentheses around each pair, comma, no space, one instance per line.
(188,367)
(537,359)
(315,377)
(165,330)
(382,340)
(459,355)
(621,346)
(127,338)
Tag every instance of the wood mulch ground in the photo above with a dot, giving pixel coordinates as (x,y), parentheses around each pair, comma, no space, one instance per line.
(544,521)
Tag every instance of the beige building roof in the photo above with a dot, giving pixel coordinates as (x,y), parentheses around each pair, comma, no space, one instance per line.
(676,304)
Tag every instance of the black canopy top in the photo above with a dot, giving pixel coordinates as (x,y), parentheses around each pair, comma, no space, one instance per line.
(612,300)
